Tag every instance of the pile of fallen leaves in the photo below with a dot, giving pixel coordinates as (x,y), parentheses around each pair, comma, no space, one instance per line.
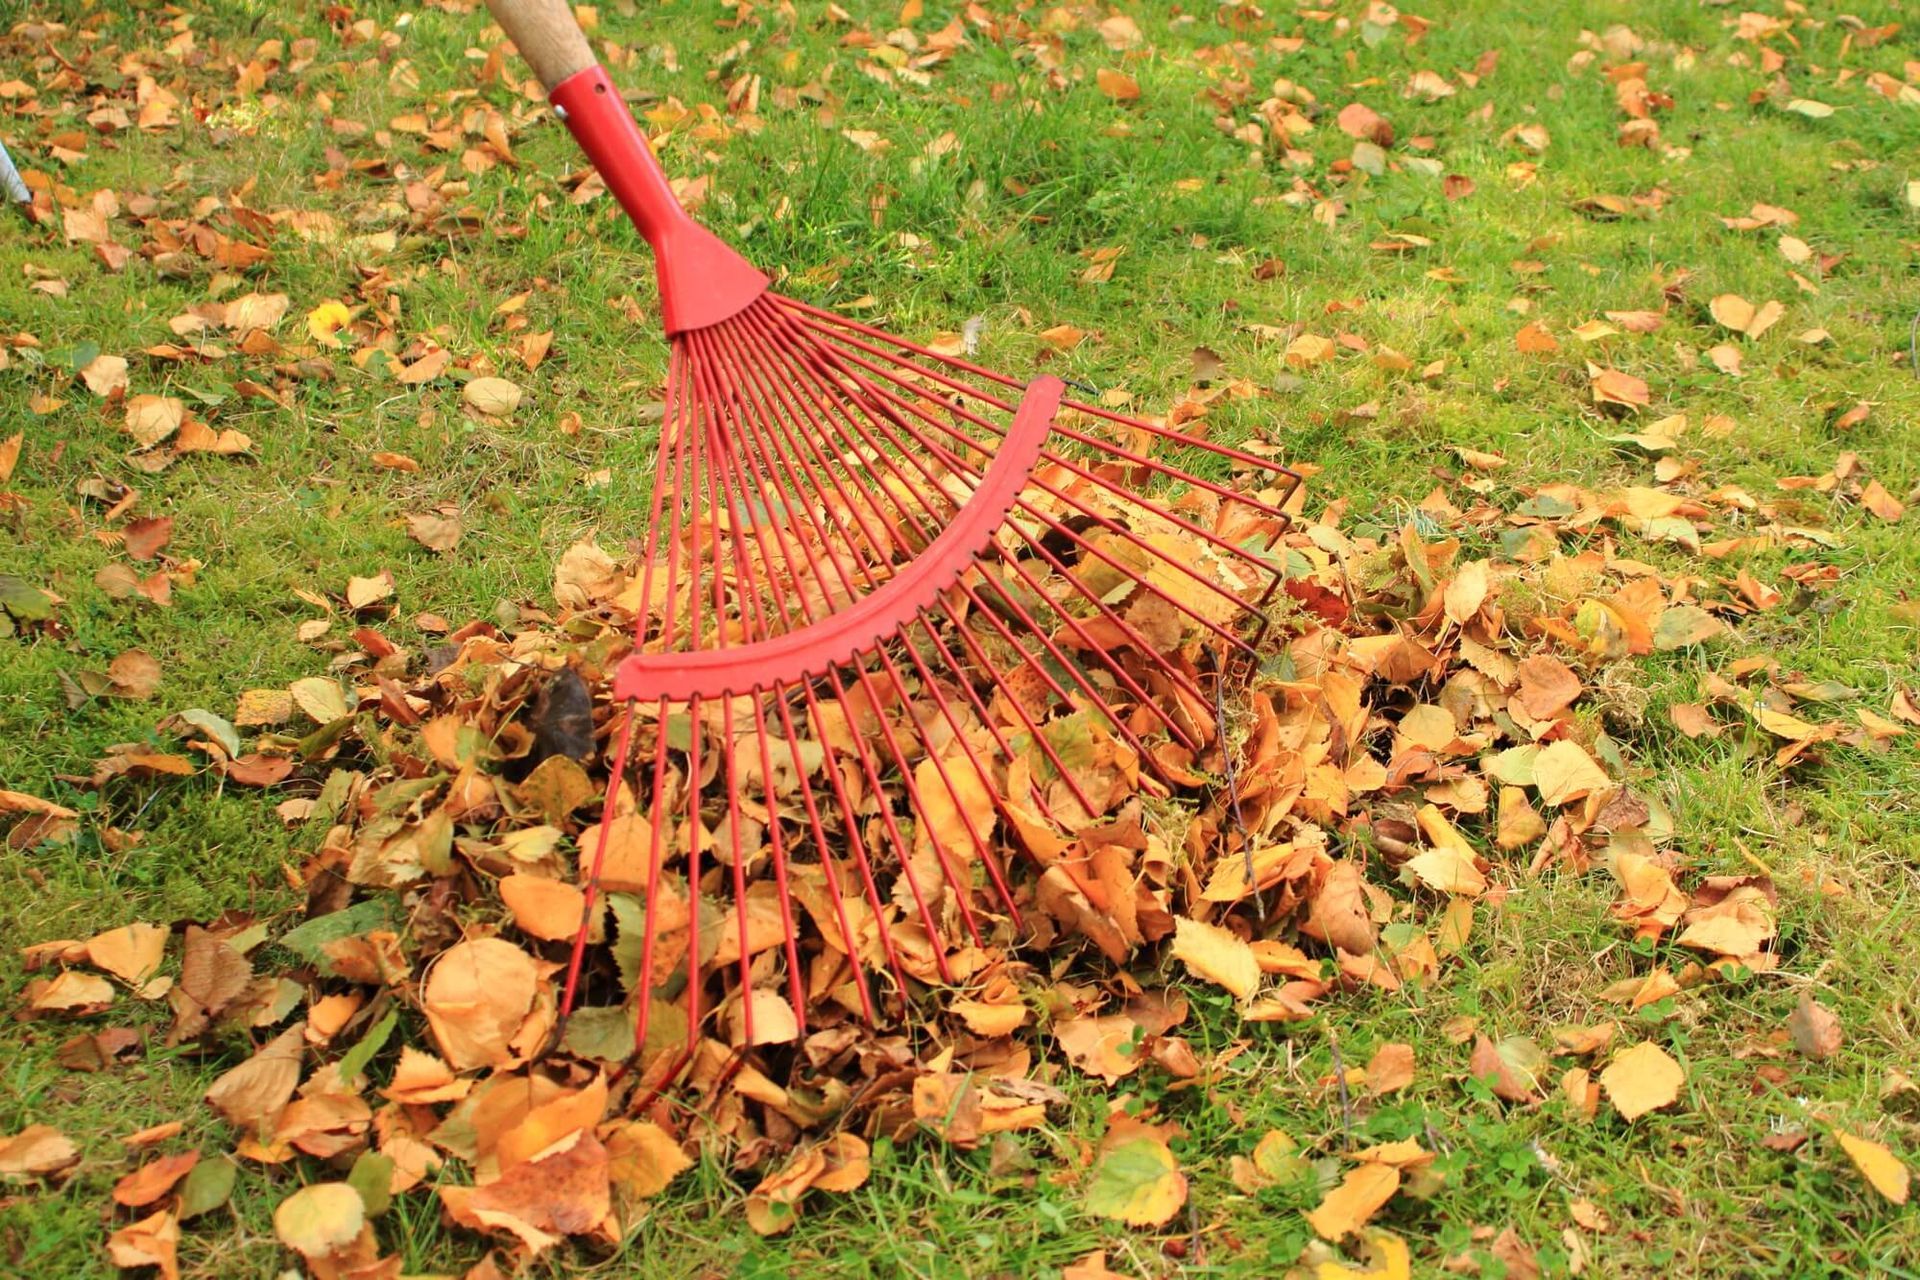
(1430,729)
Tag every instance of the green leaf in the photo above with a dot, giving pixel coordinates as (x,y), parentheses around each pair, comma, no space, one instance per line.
(27,603)
(218,728)
(1683,625)
(372,1177)
(307,940)
(207,1187)
(355,1060)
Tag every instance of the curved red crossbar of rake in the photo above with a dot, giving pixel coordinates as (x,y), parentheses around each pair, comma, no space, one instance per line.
(843,520)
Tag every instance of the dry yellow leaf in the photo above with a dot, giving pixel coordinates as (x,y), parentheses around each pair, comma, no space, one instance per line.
(1308,350)
(1564,772)
(1359,1196)
(1217,956)
(1878,1165)
(1642,1079)
(644,1158)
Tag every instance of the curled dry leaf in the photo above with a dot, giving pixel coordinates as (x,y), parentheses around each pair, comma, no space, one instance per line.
(153,1241)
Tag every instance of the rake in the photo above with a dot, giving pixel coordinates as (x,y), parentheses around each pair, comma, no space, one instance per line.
(876,581)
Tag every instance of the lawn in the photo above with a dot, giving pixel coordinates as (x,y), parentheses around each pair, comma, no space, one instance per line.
(1531,267)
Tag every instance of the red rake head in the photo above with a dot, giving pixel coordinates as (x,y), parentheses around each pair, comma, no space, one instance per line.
(884,622)
(881,614)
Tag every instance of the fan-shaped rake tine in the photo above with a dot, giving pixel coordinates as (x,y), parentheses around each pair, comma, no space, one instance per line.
(848,812)
(906,773)
(704,371)
(911,783)
(1027,619)
(796,984)
(967,639)
(840,330)
(886,814)
(1106,522)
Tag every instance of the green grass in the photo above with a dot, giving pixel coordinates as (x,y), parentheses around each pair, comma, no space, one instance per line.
(995,229)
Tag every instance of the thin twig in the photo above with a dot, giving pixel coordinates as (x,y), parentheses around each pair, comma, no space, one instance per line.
(1346,1099)
(1233,786)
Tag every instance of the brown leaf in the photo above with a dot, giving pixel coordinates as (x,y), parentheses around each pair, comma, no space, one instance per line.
(147,535)
(1390,1069)
(1534,340)
(134,675)
(105,376)
(1101,1046)
(260,1087)
(476,996)
(1816,1032)
(426,368)
(36,1151)
(1117,85)
(1693,720)
(1610,386)
(1339,914)
(435,532)
(151,419)
(1509,1067)
(1357,120)
(150,1242)
(1877,500)
(1548,686)
(131,953)
(70,992)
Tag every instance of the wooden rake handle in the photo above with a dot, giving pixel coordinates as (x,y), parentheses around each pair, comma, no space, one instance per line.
(547,35)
